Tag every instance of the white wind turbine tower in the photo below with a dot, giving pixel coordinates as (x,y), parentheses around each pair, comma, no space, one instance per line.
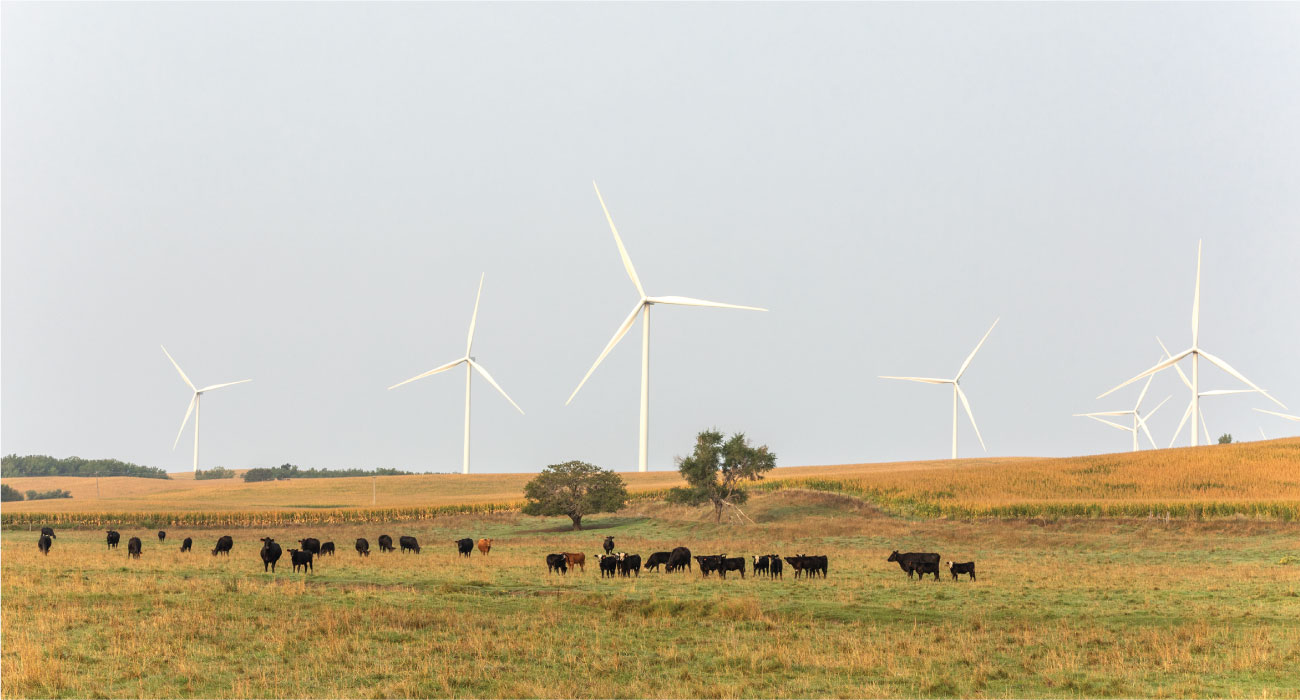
(1205,428)
(194,407)
(642,307)
(471,366)
(1196,353)
(957,393)
(1138,420)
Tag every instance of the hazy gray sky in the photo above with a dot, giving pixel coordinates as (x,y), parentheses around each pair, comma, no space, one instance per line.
(306,194)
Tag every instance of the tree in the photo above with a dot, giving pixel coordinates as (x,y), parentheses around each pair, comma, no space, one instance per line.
(9,493)
(574,489)
(1225,439)
(715,470)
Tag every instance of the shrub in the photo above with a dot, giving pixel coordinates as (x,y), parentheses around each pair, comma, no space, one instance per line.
(42,495)
(9,493)
(214,473)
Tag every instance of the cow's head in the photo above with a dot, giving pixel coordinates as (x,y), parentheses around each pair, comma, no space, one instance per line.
(893,557)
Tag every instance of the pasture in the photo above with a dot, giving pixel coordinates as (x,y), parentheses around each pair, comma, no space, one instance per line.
(1062,608)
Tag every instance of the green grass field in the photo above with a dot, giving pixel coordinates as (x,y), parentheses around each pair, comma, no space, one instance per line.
(1062,608)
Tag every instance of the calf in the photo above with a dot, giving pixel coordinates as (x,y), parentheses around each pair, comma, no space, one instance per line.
(408,543)
(709,563)
(133,547)
(609,544)
(732,564)
(385,543)
(311,544)
(113,537)
(270,554)
(162,535)
(485,545)
(578,559)
(363,546)
(967,568)
(804,565)
(608,565)
(327,548)
(627,563)
(300,558)
(465,546)
(908,561)
(761,565)
(680,558)
(187,544)
(655,560)
(775,567)
(926,567)
(49,531)
(224,544)
(44,543)
(556,562)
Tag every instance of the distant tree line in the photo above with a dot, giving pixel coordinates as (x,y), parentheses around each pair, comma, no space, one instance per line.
(9,493)
(214,473)
(292,471)
(43,465)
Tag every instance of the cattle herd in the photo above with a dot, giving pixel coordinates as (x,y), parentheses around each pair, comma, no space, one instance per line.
(611,564)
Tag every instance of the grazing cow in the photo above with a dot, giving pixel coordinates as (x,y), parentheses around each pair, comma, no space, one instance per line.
(386,544)
(133,547)
(327,548)
(49,531)
(709,563)
(807,566)
(655,560)
(609,544)
(300,558)
(270,554)
(44,543)
(465,546)
(187,544)
(311,544)
(363,546)
(775,567)
(113,537)
(732,564)
(485,545)
(967,568)
(608,565)
(556,562)
(761,565)
(162,535)
(224,544)
(678,559)
(909,560)
(408,542)
(578,559)
(628,563)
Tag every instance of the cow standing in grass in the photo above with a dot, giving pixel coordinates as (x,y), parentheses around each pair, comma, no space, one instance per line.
(327,548)
(310,544)
(186,544)
(270,554)
(44,543)
(162,535)
(300,558)
(409,543)
(465,546)
(911,561)
(224,544)
(485,545)
(678,559)
(133,547)
(556,563)
(609,544)
(955,568)
(608,565)
(113,537)
(363,546)
(654,561)
(385,543)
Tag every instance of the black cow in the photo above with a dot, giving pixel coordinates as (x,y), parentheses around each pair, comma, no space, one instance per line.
(775,567)
(679,559)
(807,566)
(709,563)
(49,531)
(732,564)
(654,560)
(311,544)
(224,544)
(327,548)
(408,542)
(300,558)
(627,563)
(909,560)
(967,568)
(113,537)
(926,567)
(557,562)
(386,543)
(44,543)
(133,547)
(609,544)
(270,554)
(186,544)
(162,535)
(608,565)
(761,565)
(363,546)
(465,546)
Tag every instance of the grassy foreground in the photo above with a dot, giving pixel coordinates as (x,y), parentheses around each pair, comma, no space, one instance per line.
(1065,608)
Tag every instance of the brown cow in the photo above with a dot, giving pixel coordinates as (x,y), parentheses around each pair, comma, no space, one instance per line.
(485,545)
(579,560)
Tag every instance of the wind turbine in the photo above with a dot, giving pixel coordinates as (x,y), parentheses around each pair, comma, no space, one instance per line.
(1196,353)
(471,366)
(1205,428)
(957,393)
(194,407)
(1138,420)
(642,307)
(1279,415)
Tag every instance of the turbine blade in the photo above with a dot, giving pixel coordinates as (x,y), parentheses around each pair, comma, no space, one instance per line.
(687,301)
(1181,375)
(1162,366)
(1227,368)
(1196,300)
(926,380)
(218,386)
(483,371)
(431,372)
(970,414)
(1225,392)
(618,335)
(1143,395)
(1125,428)
(966,364)
(1205,429)
(188,411)
(1143,422)
(1186,414)
(627,261)
(1105,413)
(1279,415)
(178,369)
(469,344)
(1261,433)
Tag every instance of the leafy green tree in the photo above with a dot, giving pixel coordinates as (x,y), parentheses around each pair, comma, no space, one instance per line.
(214,473)
(9,493)
(1225,439)
(574,489)
(714,472)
